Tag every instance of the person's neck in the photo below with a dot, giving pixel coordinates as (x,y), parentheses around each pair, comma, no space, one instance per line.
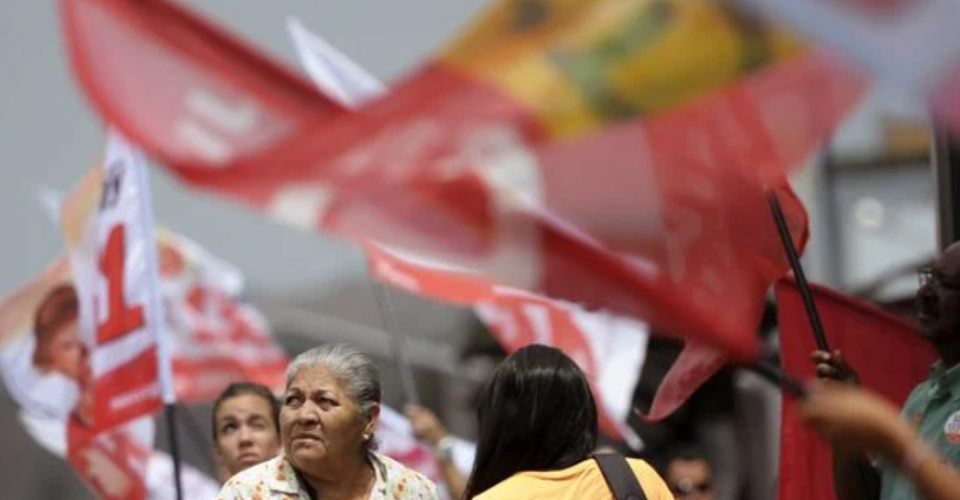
(342,479)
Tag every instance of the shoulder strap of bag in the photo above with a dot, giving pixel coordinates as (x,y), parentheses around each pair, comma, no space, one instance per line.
(619,476)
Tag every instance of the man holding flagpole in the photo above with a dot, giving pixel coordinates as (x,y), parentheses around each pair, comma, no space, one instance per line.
(933,407)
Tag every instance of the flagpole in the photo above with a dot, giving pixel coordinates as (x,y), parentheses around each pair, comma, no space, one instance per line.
(170,415)
(793,256)
(195,436)
(773,373)
(156,319)
(398,340)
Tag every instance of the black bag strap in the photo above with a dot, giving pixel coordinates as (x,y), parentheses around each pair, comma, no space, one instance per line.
(619,476)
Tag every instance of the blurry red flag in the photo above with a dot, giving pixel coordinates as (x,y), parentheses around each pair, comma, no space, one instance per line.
(459,166)
(890,357)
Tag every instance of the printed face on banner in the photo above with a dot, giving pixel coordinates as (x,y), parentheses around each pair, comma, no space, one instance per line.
(44,362)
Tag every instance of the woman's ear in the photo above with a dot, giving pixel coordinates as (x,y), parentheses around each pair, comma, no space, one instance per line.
(373,422)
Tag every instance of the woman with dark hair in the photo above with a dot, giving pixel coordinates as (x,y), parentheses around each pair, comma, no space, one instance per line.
(246,427)
(538,431)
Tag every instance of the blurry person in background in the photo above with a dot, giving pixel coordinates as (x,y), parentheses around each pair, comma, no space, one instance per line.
(59,348)
(246,427)
(427,428)
(860,421)
(330,410)
(689,473)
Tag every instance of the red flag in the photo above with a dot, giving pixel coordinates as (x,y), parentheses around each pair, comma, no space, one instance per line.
(609,350)
(112,463)
(453,168)
(890,357)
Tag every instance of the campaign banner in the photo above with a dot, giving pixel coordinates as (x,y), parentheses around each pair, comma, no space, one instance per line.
(114,300)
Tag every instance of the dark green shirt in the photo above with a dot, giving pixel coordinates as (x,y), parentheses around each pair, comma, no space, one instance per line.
(934,408)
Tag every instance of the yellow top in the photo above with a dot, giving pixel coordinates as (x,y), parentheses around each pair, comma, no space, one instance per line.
(583,481)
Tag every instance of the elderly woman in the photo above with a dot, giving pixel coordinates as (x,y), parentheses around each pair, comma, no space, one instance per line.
(329,414)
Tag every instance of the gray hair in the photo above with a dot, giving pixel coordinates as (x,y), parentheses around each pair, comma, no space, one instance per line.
(352,367)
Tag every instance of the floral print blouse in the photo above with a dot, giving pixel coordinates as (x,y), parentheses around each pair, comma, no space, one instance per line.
(276,480)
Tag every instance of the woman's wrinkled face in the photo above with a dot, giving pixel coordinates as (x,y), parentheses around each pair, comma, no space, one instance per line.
(320,421)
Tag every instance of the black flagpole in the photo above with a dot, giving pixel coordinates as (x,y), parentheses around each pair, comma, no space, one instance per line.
(794,257)
(773,373)
(170,416)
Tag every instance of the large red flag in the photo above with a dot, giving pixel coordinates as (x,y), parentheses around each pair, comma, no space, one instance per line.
(459,163)
(889,355)
(348,83)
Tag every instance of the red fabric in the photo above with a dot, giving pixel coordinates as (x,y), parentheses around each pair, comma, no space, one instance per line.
(112,463)
(127,392)
(438,167)
(696,364)
(509,314)
(889,356)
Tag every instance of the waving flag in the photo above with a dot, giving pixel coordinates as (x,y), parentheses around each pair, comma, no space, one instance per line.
(501,308)
(889,356)
(121,464)
(45,361)
(610,350)
(479,158)
(215,337)
(47,372)
(124,372)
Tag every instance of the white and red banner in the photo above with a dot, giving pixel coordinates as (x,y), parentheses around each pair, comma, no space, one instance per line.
(609,349)
(47,363)
(110,237)
(467,162)
(45,366)
(121,463)
(215,337)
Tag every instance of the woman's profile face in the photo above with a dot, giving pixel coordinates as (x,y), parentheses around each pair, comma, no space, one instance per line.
(319,421)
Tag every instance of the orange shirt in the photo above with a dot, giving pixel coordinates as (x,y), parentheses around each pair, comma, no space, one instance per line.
(583,481)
